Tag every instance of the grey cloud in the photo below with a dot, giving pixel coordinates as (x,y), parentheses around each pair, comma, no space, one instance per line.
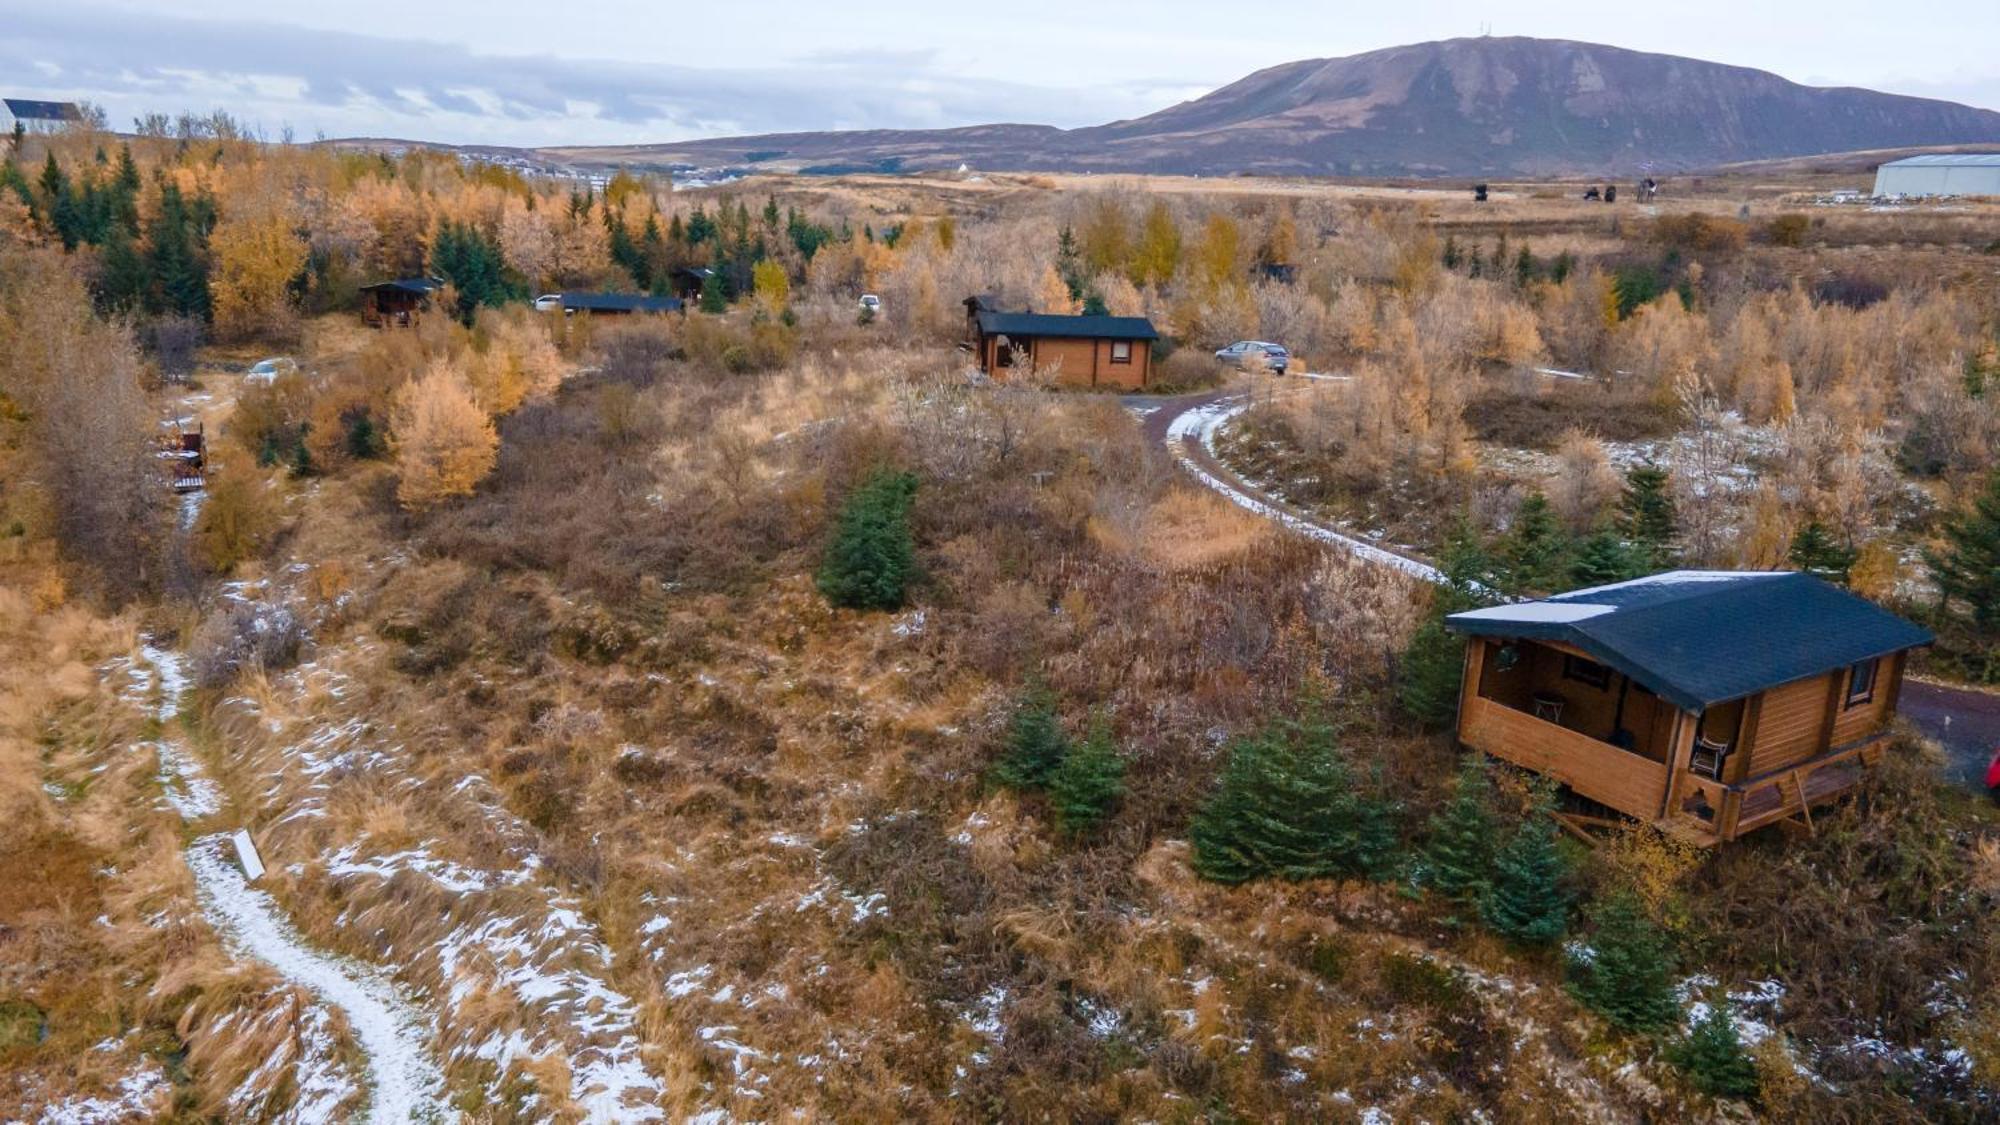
(128,57)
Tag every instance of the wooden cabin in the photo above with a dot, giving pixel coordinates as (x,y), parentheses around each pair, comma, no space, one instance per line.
(1711,703)
(397,303)
(687,281)
(616,304)
(1113,352)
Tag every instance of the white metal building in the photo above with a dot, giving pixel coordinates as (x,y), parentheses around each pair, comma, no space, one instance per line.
(37,116)
(1941,173)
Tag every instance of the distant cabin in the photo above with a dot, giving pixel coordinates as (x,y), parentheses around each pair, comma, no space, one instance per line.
(1708,702)
(36,116)
(397,302)
(616,304)
(1080,351)
(687,281)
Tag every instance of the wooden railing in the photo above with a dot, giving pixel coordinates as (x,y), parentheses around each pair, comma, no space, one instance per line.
(1744,806)
(1631,783)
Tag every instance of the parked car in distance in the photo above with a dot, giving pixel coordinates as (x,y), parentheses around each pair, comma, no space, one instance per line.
(1993,775)
(267,370)
(549,302)
(1243,353)
(872,304)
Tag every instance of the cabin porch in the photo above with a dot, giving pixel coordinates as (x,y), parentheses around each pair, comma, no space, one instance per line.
(1569,718)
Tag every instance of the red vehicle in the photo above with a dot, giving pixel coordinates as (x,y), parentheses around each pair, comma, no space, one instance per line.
(1993,775)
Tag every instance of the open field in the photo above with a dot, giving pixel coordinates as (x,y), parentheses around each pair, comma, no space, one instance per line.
(592,782)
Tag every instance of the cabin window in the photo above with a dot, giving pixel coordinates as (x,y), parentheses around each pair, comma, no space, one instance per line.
(1861,682)
(1586,671)
(1121,351)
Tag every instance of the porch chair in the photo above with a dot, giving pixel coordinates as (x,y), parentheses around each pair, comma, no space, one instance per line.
(1708,757)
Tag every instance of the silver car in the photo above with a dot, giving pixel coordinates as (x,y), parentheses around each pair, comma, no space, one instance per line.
(1243,353)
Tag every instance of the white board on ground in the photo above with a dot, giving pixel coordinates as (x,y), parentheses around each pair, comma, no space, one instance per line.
(246,854)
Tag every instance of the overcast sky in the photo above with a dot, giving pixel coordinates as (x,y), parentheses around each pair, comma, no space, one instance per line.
(619,71)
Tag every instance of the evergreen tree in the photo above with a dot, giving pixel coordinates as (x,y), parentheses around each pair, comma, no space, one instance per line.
(175,242)
(1525,268)
(1429,673)
(122,279)
(1036,744)
(1967,568)
(1377,833)
(1564,265)
(1712,1056)
(1627,975)
(714,299)
(463,255)
(1451,257)
(1536,552)
(1526,903)
(1815,552)
(871,557)
(1460,853)
(1602,558)
(1093,304)
(364,439)
(1069,262)
(1646,518)
(1287,805)
(1089,781)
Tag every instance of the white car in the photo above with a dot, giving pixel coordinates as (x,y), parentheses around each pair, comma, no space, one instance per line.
(870,303)
(1247,353)
(268,370)
(549,302)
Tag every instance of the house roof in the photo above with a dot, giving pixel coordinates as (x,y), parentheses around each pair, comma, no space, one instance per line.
(1697,638)
(417,285)
(619,302)
(1948,160)
(1074,327)
(27,109)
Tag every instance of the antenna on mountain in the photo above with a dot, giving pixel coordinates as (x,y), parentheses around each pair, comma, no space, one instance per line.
(1486,31)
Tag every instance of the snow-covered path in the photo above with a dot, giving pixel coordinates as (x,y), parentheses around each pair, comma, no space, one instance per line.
(1190,436)
(405,1084)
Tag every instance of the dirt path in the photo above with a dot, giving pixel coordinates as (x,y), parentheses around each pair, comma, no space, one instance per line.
(1966,723)
(404,1084)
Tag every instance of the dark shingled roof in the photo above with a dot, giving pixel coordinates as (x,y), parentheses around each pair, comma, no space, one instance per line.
(619,302)
(417,285)
(1701,637)
(1074,327)
(28,109)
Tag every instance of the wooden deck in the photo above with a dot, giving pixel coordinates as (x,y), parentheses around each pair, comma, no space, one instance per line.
(1725,812)
(1619,779)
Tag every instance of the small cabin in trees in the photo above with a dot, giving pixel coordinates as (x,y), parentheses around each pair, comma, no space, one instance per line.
(397,302)
(687,281)
(1114,352)
(1709,702)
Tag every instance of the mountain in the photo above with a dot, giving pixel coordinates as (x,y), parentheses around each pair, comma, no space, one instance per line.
(1486,106)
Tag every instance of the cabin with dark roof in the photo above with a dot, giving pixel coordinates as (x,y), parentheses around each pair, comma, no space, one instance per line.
(1077,351)
(1710,703)
(687,281)
(616,304)
(397,302)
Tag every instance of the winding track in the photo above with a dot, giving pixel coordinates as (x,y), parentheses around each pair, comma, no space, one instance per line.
(1964,722)
(404,1083)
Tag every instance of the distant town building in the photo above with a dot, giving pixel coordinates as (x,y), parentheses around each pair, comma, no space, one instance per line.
(37,117)
(1941,173)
